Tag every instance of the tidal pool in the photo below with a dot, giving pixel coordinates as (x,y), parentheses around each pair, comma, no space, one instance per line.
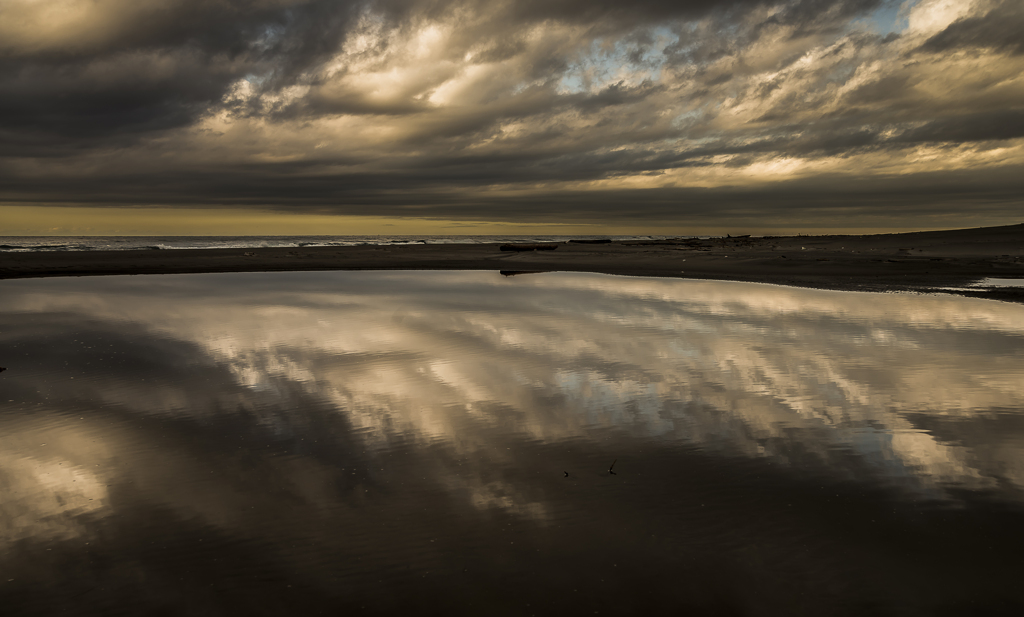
(442,443)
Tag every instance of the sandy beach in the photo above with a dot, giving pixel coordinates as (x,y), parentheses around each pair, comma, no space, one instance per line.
(925,261)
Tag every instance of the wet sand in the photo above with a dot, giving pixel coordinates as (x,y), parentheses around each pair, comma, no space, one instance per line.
(926,261)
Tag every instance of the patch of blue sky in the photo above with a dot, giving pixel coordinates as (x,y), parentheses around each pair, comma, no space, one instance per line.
(269,37)
(603,64)
(256,80)
(890,16)
(683,140)
(689,117)
(571,83)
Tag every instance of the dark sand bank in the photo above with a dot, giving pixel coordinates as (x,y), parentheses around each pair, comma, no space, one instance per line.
(910,261)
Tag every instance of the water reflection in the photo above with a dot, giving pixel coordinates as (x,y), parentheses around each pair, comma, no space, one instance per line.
(268,443)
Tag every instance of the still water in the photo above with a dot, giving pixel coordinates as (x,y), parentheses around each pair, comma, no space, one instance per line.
(398,443)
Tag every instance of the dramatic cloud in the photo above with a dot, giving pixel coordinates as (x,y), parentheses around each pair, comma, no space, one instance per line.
(514,110)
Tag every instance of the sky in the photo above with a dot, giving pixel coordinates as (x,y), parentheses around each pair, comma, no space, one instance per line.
(189,117)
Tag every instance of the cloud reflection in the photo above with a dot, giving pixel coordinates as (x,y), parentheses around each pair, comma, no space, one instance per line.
(747,368)
(342,431)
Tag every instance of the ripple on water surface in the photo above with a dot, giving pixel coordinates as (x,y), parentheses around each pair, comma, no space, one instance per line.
(399,443)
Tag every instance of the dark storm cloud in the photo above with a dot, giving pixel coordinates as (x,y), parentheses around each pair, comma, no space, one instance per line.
(275,41)
(610,14)
(337,106)
(163,69)
(999,29)
(1002,125)
(937,196)
(54,108)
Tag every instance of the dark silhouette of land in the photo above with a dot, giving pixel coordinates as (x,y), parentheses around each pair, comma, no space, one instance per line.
(929,260)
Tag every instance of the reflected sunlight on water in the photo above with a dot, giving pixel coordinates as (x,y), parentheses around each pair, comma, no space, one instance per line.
(385,442)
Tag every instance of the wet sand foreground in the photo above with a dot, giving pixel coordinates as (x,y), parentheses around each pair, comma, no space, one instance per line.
(927,261)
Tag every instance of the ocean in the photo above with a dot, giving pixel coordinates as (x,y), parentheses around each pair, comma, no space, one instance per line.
(22,244)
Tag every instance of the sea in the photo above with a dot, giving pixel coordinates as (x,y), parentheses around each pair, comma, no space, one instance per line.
(23,244)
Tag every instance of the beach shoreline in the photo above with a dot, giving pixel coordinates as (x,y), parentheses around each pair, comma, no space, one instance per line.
(939,261)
